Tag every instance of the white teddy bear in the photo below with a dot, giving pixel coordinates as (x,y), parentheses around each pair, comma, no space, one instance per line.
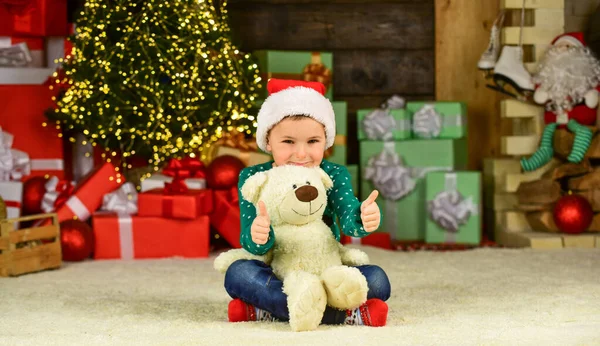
(312,264)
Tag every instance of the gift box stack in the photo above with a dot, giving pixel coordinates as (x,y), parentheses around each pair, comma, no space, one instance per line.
(170,217)
(415,155)
(32,37)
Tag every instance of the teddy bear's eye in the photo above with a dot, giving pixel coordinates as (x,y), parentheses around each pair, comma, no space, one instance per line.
(294,186)
(307,182)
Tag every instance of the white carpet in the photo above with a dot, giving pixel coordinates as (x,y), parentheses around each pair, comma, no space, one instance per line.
(480,297)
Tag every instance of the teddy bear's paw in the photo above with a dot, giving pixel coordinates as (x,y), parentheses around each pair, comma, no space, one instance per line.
(353,257)
(346,287)
(225,259)
(306,300)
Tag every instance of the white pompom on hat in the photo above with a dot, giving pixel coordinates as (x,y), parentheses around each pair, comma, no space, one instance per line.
(294,97)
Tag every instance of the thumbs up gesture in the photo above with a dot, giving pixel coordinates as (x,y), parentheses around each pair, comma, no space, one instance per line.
(369,212)
(261,225)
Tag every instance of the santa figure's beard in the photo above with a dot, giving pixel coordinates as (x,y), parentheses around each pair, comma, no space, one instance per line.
(567,76)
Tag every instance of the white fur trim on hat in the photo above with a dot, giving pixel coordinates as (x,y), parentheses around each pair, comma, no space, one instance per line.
(295,101)
(569,39)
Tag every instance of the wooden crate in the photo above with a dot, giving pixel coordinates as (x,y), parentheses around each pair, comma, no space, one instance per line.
(29,250)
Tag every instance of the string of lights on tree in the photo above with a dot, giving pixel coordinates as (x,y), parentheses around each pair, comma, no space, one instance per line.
(153,78)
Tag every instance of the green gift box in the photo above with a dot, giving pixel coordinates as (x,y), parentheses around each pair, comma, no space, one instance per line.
(402,130)
(353,170)
(337,154)
(405,217)
(452,119)
(290,65)
(453,207)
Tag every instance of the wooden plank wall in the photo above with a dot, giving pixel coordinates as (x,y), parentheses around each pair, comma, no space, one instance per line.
(380,47)
(462,34)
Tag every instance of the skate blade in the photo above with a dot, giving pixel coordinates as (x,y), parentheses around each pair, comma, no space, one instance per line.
(507,86)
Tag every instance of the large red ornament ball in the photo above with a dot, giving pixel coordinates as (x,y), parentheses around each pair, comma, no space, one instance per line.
(76,239)
(573,214)
(223,172)
(33,192)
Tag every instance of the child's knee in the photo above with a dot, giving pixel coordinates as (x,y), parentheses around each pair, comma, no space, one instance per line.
(378,283)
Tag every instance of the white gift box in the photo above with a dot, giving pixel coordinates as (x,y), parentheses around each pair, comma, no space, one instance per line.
(12,194)
(158,180)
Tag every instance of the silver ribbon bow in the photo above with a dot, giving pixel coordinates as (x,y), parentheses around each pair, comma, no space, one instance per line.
(124,200)
(389,175)
(16,55)
(427,123)
(450,210)
(50,195)
(394,102)
(378,124)
(14,164)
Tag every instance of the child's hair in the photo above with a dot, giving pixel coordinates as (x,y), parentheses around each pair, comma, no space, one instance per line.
(292,117)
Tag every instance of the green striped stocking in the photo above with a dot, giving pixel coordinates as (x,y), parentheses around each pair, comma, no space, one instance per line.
(583,138)
(544,153)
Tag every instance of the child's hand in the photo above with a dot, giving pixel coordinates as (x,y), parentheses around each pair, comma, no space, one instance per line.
(261,225)
(369,212)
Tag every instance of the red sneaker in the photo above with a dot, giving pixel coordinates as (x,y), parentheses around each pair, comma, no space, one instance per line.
(238,311)
(372,313)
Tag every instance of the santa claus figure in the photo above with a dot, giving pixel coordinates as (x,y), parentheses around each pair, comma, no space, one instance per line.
(567,83)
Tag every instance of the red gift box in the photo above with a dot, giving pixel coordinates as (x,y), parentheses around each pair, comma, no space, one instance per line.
(186,205)
(225,217)
(22,114)
(44,18)
(128,237)
(89,192)
(378,239)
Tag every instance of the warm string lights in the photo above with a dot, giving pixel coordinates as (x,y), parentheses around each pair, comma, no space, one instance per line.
(155,78)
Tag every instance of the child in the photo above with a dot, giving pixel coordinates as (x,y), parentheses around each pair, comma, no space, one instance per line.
(296,124)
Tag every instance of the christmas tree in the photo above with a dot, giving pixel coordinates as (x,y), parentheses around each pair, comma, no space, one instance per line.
(155,79)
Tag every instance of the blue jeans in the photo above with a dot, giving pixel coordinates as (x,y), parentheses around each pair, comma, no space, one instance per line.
(254,282)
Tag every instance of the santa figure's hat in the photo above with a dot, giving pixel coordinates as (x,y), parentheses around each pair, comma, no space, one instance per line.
(294,97)
(574,38)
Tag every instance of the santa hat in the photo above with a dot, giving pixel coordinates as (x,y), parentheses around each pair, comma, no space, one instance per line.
(294,97)
(574,38)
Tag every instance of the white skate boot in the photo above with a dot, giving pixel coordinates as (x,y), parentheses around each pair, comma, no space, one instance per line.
(510,70)
(487,61)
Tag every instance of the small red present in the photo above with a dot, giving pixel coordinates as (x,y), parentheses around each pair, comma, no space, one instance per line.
(42,18)
(225,217)
(128,237)
(377,239)
(87,196)
(22,115)
(186,205)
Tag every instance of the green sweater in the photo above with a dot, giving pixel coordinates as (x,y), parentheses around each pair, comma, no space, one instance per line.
(341,202)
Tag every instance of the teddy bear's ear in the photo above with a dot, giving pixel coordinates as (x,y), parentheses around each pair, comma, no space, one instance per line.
(327,182)
(252,186)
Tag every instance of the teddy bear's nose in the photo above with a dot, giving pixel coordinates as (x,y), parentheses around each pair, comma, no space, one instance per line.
(307,193)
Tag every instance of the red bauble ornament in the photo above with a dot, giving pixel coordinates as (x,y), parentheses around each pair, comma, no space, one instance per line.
(76,239)
(33,192)
(573,214)
(224,172)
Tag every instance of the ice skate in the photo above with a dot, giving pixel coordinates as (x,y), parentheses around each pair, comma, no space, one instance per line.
(488,59)
(510,76)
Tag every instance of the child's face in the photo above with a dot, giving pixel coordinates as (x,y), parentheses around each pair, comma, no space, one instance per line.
(298,141)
